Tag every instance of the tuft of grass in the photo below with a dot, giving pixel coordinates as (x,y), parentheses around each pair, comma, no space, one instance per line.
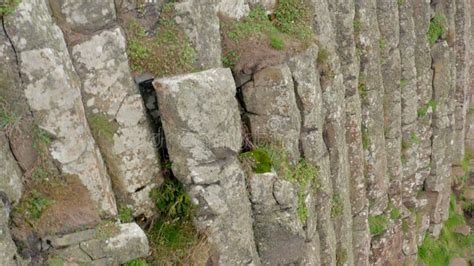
(106,229)
(137,262)
(167,53)
(125,214)
(55,261)
(362,90)
(258,161)
(382,44)
(40,173)
(323,56)
(8,7)
(277,43)
(401,2)
(431,105)
(337,206)
(449,244)
(437,28)
(378,224)
(415,139)
(172,201)
(101,127)
(230,59)
(6,119)
(357,24)
(403,83)
(395,213)
(365,138)
(292,17)
(33,205)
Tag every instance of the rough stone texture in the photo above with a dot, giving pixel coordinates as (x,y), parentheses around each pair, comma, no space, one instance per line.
(277,225)
(52,89)
(127,243)
(334,131)
(410,139)
(371,89)
(85,16)
(344,12)
(202,127)
(233,8)
(10,174)
(462,45)
(201,24)
(108,92)
(276,119)
(391,67)
(8,255)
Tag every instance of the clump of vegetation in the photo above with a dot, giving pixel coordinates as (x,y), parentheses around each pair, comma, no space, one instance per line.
(41,139)
(266,158)
(125,214)
(382,44)
(401,2)
(167,53)
(449,244)
(365,138)
(173,237)
(395,213)
(431,105)
(8,7)
(437,28)
(341,257)
(106,229)
(137,262)
(337,206)
(378,224)
(55,261)
(415,139)
(33,205)
(101,127)
(7,118)
(259,37)
(403,83)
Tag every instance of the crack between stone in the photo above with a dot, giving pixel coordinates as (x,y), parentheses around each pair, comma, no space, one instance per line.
(299,105)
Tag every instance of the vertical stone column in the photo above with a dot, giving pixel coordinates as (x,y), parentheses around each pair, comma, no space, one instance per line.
(462,47)
(201,122)
(113,105)
(332,86)
(344,12)
(388,16)
(52,89)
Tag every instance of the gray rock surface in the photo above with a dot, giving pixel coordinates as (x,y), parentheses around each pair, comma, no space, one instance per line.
(109,94)
(202,127)
(11,183)
(52,89)
(8,253)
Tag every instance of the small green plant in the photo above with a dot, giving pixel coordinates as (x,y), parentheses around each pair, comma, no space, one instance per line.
(382,44)
(277,43)
(137,262)
(6,119)
(405,226)
(415,139)
(258,160)
(395,213)
(401,2)
(337,206)
(106,230)
(403,83)
(36,204)
(168,52)
(323,56)
(378,224)
(8,7)
(171,200)
(437,28)
(125,214)
(357,24)
(365,138)
(362,90)
(431,105)
(101,127)
(230,59)
(293,17)
(40,173)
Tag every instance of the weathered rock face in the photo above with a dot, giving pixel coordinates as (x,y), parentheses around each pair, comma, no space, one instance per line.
(203,133)
(109,244)
(378,105)
(52,89)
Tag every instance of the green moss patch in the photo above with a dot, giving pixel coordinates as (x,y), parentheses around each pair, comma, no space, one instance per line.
(449,244)
(166,53)
(378,224)
(266,38)
(8,7)
(437,28)
(102,127)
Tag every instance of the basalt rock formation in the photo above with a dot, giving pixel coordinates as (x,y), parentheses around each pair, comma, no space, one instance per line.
(304,132)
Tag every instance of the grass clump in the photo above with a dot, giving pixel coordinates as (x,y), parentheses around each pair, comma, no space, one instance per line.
(137,262)
(262,39)
(167,53)
(449,244)
(102,128)
(33,206)
(430,106)
(378,224)
(395,213)
(8,7)
(7,118)
(437,28)
(125,214)
(258,161)
(337,207)
(173,237)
